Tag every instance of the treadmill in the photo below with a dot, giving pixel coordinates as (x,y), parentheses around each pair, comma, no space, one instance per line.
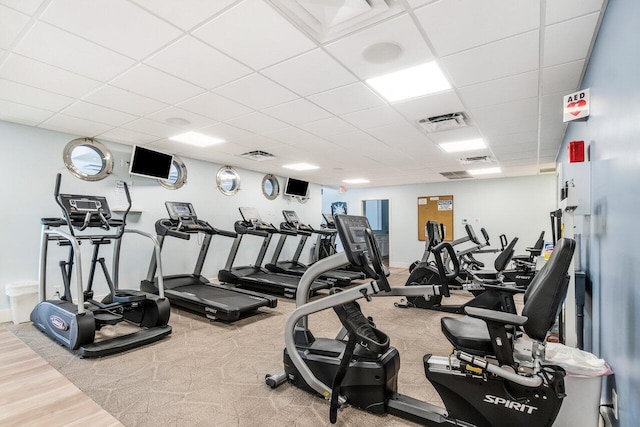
(294,266)
(193,291)
(255,276)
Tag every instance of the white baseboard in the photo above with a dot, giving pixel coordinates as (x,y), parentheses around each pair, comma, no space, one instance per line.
(5,315)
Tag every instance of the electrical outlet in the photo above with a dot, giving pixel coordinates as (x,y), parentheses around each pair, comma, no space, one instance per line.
(614,397)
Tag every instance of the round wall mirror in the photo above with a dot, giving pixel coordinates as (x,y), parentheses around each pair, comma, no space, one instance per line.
(228,180)
(87,159)
(177,175)
(270,186)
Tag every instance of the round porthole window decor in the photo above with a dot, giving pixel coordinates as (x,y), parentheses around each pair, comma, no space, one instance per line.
(228,180)
(177,175)
(87,159)
(270,187)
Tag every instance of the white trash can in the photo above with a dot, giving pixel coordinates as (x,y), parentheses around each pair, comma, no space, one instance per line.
(23,297)
(581,406)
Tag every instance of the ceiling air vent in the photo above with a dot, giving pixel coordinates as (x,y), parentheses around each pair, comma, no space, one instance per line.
(258,156)
(444,122)
(456,175)
(475,159)
(547,170)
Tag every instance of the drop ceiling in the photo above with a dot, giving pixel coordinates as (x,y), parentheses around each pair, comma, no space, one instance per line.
(288,77)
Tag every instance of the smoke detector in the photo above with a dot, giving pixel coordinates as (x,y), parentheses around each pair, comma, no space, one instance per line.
(444,122)
(475,159)
(456,175)
(258,155)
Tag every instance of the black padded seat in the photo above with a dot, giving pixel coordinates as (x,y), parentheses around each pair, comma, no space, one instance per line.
(467,334)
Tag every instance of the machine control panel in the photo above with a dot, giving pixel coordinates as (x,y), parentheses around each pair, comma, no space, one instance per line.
(251,220)
(78,205)
(293,222)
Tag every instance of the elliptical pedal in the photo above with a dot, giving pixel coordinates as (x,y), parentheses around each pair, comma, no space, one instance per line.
(104,317)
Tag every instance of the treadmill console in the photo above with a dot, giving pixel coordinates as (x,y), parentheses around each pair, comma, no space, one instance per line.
(328,218)
(180,211)
(292,222)
(251,220)
(361,247)
(90,210)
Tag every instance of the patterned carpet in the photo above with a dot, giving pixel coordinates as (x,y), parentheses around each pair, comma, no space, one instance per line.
(212,374)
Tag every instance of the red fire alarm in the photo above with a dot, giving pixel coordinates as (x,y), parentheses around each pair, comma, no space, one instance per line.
(576,151)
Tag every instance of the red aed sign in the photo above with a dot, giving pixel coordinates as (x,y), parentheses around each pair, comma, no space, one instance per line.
(576,106)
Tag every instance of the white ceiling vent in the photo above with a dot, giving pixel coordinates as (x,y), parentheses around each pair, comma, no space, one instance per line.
(258,156)
(329,19)
(475,159)
(456,175)
(444,122)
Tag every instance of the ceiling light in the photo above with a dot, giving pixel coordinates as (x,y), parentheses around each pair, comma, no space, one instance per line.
(197,139)
(485,171)
(301,166)
(468,145)
(356,181)
(410,82)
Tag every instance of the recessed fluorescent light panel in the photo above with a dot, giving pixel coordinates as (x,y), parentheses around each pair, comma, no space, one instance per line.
(356,181)
(301,167)
(410,82)
(468,145)
(485,171)
(197,139)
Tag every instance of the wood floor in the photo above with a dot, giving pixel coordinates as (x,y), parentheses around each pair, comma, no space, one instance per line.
(33,393)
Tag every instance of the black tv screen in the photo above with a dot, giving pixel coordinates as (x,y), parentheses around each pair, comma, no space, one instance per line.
(296,187)
(150,163)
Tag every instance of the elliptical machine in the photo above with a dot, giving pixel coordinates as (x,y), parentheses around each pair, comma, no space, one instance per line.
(75,325)
(479,386)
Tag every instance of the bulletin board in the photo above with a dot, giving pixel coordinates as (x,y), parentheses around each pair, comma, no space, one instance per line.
(435,208)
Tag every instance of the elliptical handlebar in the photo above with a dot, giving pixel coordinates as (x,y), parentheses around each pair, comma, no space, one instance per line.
(444,277)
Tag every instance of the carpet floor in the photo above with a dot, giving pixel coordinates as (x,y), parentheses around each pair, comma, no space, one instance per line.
(212,373)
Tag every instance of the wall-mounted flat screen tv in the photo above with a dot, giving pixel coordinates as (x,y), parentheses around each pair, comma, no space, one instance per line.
(296,188)
(150,163)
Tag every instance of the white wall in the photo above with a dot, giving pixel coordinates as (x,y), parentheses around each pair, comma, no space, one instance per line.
(518,207)
(32,157)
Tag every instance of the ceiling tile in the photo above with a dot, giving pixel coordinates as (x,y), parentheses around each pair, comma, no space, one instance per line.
(256,91)
(266,38)
(260,142)
(127,136)
(33,73)
(310,73)
(557,11)
(75,126)
(399,135)
(373,117)
(562,78)
(122,100)
(516,147)
(151,127)
(563,45)
(498,140)
(498,91)
(400,31)
(24,114)
(258,123)
(461,134)
(226,132)
(99,114)
(328,127)
(552,105)
(347,99)
(184,17)
(526,109)
(215,106)
(290,135)
(519,155)
(192,60)
(53,46)
(476,23)
(155,84)
(503,58)
(25,6)
(358,140)
(429,106)
(137,33)
(417,3)
(298,111)
(195,120)
(21,94)
(11,24)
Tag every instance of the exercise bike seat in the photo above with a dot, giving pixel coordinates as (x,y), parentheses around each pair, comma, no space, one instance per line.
(468,334)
